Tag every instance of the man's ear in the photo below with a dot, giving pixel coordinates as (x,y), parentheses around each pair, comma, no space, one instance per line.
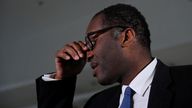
(127,36)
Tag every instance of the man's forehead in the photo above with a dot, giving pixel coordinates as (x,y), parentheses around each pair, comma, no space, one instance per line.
(95,24)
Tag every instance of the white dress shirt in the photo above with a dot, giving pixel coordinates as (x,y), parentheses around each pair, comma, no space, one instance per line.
(141,84)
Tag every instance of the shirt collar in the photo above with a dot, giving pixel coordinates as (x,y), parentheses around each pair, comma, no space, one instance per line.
(143,80)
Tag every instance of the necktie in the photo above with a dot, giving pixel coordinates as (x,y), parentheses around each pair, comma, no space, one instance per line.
(127,100)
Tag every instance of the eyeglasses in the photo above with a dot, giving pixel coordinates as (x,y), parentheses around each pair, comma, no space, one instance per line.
(91,42)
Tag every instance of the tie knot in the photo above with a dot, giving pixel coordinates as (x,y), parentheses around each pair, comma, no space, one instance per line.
(128,91)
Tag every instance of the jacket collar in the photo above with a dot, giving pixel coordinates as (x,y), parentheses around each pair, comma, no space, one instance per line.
(160,95)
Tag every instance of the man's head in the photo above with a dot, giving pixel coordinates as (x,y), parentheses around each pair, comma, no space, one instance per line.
(114,36)
(127,15)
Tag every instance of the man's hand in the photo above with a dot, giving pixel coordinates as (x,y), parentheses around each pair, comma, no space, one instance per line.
(70,60)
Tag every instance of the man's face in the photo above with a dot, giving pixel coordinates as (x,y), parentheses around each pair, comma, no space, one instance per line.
(107,57)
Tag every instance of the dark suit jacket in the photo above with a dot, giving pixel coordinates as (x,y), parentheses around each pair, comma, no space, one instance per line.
(171,88)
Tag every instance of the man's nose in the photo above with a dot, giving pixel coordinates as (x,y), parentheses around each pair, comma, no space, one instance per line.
(90,55)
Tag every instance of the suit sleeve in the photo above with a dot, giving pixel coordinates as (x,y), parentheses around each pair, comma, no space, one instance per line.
(55,94)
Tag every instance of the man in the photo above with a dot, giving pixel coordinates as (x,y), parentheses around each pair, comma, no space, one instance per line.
(117,46)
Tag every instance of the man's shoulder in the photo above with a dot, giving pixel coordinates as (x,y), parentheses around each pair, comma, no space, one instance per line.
(181,67)
(176,69)
(181,73)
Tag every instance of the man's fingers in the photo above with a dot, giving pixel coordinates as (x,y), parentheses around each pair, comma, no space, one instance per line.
(71,51)
(83,45)
(63,55)
(76,50)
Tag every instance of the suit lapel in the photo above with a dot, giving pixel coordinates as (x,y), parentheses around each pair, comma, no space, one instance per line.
(160,95)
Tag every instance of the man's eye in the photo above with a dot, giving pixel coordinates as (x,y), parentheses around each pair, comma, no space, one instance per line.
(93,37)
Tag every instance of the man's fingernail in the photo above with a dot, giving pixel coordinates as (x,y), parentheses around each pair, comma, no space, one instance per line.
(76,58)
(81,55)
(67,57)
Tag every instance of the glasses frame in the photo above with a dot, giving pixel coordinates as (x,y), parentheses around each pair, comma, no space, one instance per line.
(95,34)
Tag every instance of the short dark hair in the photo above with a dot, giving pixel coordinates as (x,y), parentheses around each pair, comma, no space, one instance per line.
(127,15)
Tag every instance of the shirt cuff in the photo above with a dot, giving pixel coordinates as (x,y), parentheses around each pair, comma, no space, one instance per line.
(47,77)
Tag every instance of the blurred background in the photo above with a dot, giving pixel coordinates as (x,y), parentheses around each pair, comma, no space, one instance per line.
(31,31)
